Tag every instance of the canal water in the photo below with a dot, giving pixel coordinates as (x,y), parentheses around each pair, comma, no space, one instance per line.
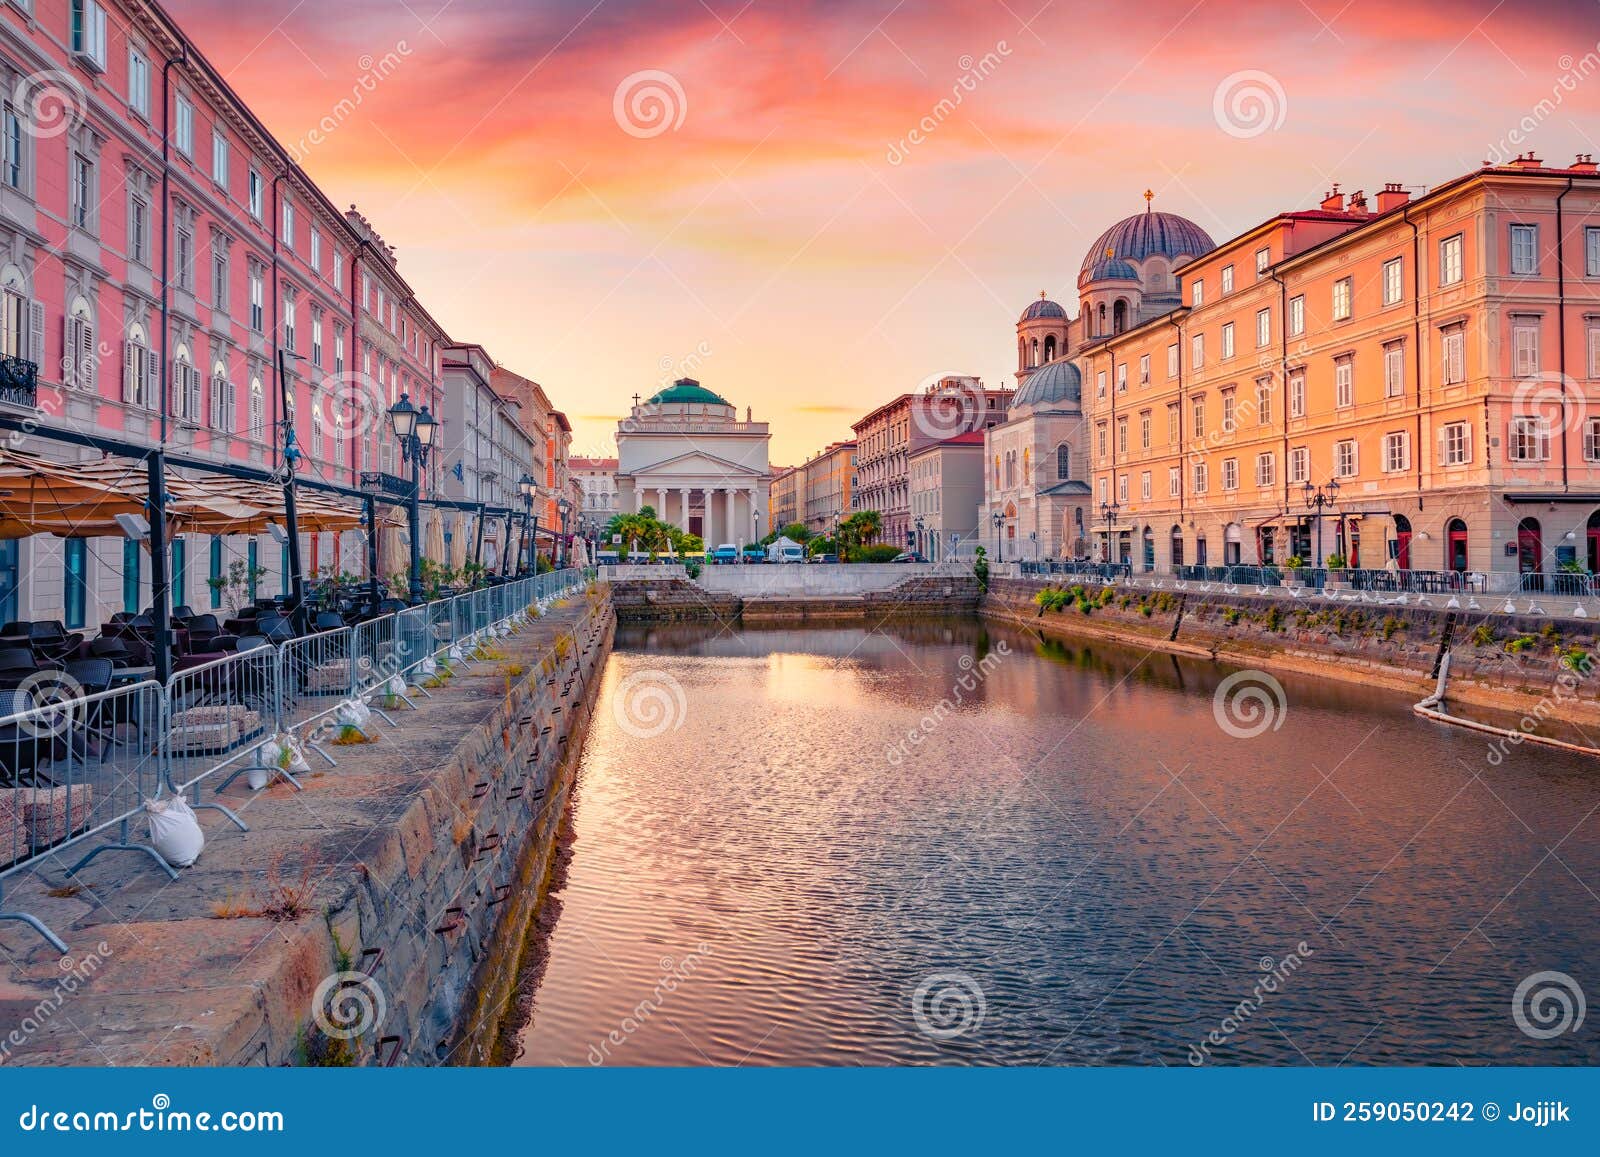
(947,843)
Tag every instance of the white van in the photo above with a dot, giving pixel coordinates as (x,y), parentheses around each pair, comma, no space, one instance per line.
(786,550)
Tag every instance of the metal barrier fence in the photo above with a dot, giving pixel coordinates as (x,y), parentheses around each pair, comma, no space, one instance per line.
(77,766)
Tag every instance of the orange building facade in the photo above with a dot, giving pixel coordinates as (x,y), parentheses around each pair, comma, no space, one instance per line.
(1428,367)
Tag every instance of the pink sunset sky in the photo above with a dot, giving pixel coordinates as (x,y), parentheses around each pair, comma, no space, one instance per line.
(785,235)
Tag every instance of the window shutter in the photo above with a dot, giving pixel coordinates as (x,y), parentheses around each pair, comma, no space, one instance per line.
(69,352)
(36,333)
(131,354)
(152,378)
(88,356)
(176,397)
(192,381)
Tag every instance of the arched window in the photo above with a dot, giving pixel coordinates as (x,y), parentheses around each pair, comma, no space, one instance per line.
(1100,329)
(1063,462)
(1050,348)
(1119,316)
(1027,464)
(1455,545)
(1035,351)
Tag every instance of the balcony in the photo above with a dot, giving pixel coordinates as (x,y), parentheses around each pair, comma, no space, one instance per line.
(19,382)
(385,483)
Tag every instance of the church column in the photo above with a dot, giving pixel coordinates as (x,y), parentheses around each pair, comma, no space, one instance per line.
(661,502)
(735,535)
(683,500)
(638,496)
(750,523)
(708,525)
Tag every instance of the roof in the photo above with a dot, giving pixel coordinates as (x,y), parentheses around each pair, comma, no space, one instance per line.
(1043,308)
(1057,381)
(970,438)
(687,391)
(1148,234)
(592,463)
(1072,486)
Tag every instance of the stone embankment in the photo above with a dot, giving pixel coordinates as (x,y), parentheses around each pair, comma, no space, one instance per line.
(674,600)
(1500,661)
(391,896)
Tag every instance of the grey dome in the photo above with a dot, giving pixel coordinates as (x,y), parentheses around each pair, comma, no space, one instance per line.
(1112,269)
(1149,234)
(1057,381)
(1044,307)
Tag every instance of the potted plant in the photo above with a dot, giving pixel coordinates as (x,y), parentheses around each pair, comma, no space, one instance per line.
(1336,567)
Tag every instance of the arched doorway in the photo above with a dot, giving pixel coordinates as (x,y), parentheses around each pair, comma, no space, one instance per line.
(1455,545)
(1200,550)
(1402,542)
(1593,536)
(1530,553)
(1149,549)
(1232,545)
(1177,547)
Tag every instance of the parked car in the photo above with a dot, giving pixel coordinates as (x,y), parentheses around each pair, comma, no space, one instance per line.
(908,556)
(725,555)
(824,558)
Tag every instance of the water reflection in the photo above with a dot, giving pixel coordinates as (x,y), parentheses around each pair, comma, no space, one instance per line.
(1071,863)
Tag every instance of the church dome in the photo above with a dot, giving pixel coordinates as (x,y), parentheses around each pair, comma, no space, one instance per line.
(1043,308)
(1057,381)
(1148,234)
(1112,269)
(687,391)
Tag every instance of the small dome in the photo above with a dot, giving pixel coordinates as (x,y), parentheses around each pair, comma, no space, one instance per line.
(1148,234)
(1057,381)
(1045,308)
(687,391)
(1112,269)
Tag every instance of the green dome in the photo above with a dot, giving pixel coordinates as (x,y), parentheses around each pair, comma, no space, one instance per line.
(687,390)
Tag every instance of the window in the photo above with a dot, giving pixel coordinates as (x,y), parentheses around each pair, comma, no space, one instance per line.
(1200,482)
(1172,361)
(1299,465)
(338,269)
(219,159)
(82,191)
(1144,369)
(316,251)
(214,573)
(138,82)
(1263,328)
(1341,299)
(1450,260)
(1122,376)
(1392,281)
(141,375)
(139,231)
(1100,489)
(1524,250)
(1227,340)
(1227,279)
(1524,348)
(1229,412)
(183,126)
(1344,458)
(1122,435)
(1174,481)
(1344,383)
(1396,452)
(288,318)
(366,292)
(1264,401)
(1122,489)
(258,413)
(1453,350)
(1455,444)
(254,193)
(288,222)
(89,44)
(1297,316)
(316,338)
(1297,394)
(75,578)
(1197,351)
(1099,442)
(224,414)
(1591,251)
(1198,298)
(1266,470)
(1528,440)
(257,295)
(1394,369)
(1100,384)
(1197,414)
(219,275)
(1263,260)
(338,349)
(1144,486)
(1063,462)
(1591,440)
(13,147)
(1144,429)
(1230,473)
(1174,416)
(132,562)
(183,255)
(1594,351)
(185,391)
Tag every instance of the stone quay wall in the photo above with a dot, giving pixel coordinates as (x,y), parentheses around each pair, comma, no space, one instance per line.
(674,600)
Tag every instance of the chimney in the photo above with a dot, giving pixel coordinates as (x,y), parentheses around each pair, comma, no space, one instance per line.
(1527,162)
(1585,163)
(1392,197)
(1334,201)
(1358,201)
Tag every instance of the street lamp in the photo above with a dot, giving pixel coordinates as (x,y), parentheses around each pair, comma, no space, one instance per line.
(999,520)
(562,507)
(526,487)
(414,430)
(920,527)
(1108,515)
(1316,498)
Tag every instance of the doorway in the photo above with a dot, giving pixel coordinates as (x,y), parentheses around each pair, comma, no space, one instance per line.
(1402,542)
(1530,553)
(1455,545)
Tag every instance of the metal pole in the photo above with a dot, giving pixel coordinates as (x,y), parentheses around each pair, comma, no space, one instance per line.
(372,553)
(533,539)
(160,582)
(505,552)
(415,517)
(297,586)
(477,550)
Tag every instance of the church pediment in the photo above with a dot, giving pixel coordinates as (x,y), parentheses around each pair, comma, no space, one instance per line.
(698,462)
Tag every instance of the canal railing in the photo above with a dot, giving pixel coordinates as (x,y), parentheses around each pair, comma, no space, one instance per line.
(77,768)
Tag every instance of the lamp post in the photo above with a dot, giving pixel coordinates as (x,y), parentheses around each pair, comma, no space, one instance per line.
(530,527)
(414,429)
(1108,515)
(562,506)
(291,456)
(1318,497)
(921,526)
(999,520)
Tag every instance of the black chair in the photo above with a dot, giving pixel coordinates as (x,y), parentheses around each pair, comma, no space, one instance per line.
(16,665)
(251,642)
(53,642)
(275,627)
(115,650)
(328,621)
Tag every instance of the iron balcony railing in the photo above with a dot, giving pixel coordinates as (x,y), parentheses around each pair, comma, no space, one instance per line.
(385,483)
(19,382)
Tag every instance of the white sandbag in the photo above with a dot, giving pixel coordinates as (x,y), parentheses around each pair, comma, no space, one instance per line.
(352,713)
(283,751)
(174,832)
(396,686)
